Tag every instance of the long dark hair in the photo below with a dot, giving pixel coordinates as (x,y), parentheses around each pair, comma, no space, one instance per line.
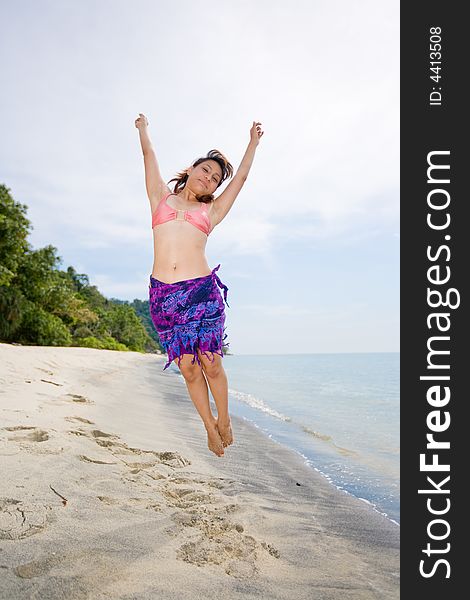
(227,172)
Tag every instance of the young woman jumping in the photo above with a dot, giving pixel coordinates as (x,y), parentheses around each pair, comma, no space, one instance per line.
(186,305)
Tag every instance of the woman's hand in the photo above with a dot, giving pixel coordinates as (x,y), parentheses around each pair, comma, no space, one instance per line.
(255,133)
(141,122)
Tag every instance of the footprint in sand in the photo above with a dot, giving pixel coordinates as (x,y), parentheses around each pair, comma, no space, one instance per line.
(204,516)
(146,457)
(186,497)
(29,439)
(52,382)
(202,510)
(237,553)
(131,504)
(271,549)
(47,371)
(222,542)
(65,398)
(36,568)
(219,483)
(79,398)
(96,461)
(147,476)
(20,519)
(77,432)
(96,433)
(34,434)
(145,466)
(79,420)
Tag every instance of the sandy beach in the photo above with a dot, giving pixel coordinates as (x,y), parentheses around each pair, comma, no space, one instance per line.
(108,490)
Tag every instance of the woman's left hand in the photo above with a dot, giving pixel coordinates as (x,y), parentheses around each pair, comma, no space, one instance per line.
(256,133)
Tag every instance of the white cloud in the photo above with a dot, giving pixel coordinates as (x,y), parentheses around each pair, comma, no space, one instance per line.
(330,150)
(113,288)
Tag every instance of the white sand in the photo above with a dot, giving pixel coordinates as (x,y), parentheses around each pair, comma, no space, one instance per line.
(150,512)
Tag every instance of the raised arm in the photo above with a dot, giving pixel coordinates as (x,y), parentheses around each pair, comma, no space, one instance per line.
(154,182)
(224,202)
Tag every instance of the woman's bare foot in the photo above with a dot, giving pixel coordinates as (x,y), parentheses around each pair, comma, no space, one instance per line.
(214,441)
(225,431)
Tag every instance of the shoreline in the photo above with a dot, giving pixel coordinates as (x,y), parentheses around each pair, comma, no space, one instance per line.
(314,469)
(149,505)
(360,461)
(257,430)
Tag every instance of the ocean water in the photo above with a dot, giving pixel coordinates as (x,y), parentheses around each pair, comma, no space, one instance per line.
(339,411)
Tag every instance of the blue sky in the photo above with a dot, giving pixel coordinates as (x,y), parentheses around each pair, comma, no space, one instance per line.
(310,250)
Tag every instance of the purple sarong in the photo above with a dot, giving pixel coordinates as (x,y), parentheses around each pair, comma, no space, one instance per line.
(189,315)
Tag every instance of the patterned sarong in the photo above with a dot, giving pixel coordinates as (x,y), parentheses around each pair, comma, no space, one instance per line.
(189,316)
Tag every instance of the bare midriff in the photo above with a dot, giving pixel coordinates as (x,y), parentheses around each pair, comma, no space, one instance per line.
(179,252)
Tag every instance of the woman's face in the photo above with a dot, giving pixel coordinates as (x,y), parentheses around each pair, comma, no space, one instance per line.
(205,177)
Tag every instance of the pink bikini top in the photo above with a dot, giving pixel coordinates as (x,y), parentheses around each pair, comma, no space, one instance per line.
(198,217)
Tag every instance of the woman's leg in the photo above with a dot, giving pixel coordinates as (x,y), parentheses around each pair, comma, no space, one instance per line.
(199,394)
(217,379)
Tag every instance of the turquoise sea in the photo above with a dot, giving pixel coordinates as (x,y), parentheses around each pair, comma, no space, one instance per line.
(339,411)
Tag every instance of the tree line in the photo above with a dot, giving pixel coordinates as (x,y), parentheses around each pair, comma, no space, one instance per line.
(41,304)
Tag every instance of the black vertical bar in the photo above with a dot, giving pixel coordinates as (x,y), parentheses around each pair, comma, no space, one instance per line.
(437,127)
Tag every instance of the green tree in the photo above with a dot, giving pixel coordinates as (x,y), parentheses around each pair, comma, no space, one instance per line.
(14,229)
(78,280)
(41,304)
(41,328)
(125,326)
(142,310)
(12,307)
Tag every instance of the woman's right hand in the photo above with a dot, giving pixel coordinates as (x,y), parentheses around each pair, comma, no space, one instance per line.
(141,122)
